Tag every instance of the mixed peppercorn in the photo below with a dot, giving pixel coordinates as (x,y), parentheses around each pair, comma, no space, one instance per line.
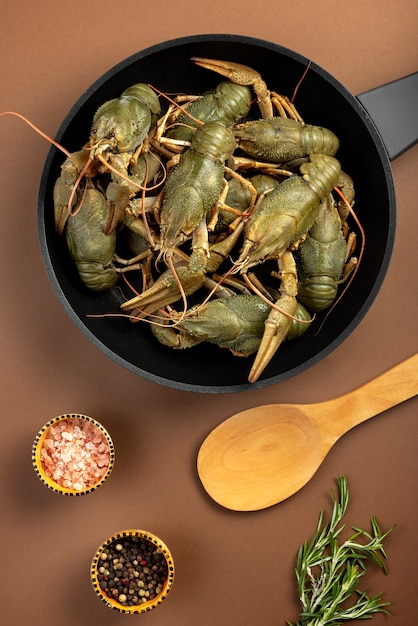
(131,571)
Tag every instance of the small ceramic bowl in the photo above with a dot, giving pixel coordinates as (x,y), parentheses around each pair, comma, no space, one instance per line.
(73,454)
(149,580)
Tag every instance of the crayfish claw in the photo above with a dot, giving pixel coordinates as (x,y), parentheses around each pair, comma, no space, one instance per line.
(61,198)
(236,72)
(276,328)
(169,287)
(117,200)
(279,321)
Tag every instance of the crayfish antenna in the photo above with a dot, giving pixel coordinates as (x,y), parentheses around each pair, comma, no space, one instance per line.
(38,130)
(177,105)
(302,78)
(274,305)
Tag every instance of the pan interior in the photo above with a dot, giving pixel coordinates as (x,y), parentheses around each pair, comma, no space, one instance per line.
(322,101)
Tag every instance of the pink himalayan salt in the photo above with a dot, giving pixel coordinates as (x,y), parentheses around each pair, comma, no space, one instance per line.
(75,454)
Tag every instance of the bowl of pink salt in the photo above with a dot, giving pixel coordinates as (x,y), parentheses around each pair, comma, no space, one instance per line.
(73,454)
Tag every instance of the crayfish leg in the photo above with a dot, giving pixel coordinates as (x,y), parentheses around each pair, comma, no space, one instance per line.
(285,107)
(348,269)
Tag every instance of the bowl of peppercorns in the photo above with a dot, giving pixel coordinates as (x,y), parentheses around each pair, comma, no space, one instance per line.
(132,571)
(73,454)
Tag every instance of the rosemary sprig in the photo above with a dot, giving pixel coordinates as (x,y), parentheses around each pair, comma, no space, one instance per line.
(328,571)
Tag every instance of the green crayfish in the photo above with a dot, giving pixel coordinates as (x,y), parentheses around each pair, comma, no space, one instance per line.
(235,323)
(288,211)
(119,128)
(194,185)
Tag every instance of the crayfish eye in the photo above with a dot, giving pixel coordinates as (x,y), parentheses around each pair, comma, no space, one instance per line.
(94,131)
(111,135)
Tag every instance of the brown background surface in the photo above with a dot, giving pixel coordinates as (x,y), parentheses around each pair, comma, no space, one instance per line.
(232,569)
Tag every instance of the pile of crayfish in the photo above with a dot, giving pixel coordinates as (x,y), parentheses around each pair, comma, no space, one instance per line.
(230,208)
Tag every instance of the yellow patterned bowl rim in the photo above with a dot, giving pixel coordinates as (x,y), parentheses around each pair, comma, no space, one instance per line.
(145,607)
(37,447)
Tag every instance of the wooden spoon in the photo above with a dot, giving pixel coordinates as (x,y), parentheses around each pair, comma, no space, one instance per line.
(263,455)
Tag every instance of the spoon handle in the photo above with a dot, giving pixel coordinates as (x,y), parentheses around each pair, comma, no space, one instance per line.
(383,392)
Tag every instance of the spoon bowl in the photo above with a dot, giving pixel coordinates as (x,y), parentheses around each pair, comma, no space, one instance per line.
(265,454)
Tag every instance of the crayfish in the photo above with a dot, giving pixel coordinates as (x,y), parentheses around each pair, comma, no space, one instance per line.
(233,222)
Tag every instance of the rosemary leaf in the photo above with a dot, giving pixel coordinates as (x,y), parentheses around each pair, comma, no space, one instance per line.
(328,569)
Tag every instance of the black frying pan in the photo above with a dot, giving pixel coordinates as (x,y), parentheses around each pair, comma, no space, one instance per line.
(373,129)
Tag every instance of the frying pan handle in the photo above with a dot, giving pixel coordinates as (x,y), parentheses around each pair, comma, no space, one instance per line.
(394,109)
